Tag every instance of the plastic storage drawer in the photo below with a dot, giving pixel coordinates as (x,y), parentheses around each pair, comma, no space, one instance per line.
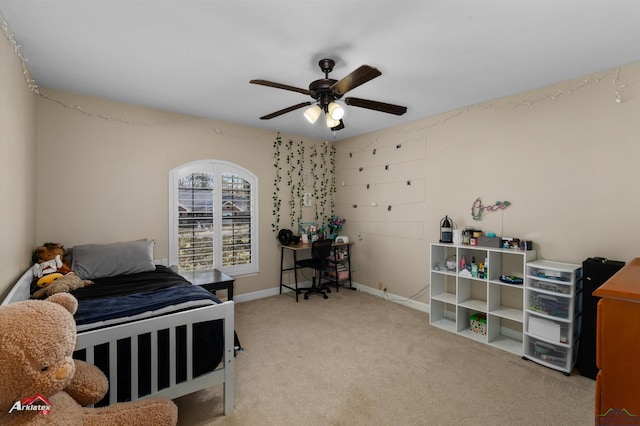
(547,353)
(558,276)
(560,288)
(553,331)
(554,306)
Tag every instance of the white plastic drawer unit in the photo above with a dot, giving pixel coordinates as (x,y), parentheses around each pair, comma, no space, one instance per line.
(553,306)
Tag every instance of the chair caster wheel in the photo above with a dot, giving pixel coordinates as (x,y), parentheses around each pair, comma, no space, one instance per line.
(306,297)
(324,296)
(328,290)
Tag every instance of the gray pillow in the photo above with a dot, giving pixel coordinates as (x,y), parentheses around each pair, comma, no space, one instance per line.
(107,260)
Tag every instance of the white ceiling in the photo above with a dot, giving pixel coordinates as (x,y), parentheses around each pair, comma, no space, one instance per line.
(197,57)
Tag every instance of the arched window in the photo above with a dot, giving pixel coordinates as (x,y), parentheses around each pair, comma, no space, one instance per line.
(213,213)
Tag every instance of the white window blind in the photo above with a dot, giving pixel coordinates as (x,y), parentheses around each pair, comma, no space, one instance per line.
(195,222)
(213,214)
(236,221)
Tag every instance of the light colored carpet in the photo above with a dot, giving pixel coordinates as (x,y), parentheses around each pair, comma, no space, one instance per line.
(355,359)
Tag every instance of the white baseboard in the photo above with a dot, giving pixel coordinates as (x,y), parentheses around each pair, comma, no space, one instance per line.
(256,295)
(404,301)
(274,291)
(419,306)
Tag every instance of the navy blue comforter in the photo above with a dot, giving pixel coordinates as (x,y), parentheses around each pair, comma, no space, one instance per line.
(128,295)
(94,310)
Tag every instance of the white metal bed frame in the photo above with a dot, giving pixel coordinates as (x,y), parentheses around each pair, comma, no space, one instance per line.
(88,340)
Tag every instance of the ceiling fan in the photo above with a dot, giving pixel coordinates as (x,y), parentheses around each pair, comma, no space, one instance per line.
(327,90)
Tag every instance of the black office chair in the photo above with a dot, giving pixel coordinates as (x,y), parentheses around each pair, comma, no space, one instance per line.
(320,252)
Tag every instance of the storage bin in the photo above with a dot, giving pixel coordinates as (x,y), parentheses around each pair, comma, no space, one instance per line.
(478,323)
(489,241)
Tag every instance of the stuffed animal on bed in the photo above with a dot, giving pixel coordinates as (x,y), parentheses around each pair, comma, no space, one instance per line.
(66,283)
(41,384)
(50,274)
(48,263)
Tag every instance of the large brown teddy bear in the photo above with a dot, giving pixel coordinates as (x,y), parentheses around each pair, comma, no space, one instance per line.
(41,384)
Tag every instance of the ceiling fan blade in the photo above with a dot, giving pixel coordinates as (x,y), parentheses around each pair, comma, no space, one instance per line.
(284,111)
(355,79)
(281,86)
(375,105)
(340,126)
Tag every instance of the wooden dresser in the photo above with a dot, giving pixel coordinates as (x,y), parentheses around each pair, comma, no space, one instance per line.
(618,348)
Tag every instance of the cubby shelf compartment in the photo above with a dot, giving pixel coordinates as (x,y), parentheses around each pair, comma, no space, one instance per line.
(443,315)
(454,298)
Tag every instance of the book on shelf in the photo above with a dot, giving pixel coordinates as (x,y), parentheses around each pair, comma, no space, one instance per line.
(331,267)
(340,275)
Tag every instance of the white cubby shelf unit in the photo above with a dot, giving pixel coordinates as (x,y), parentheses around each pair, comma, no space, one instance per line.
(455,299)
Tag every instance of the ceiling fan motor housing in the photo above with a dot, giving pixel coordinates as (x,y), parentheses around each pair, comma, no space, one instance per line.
(322,91)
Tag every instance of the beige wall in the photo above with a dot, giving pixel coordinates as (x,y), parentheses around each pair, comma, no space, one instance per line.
(17,168)
(104,173)
(566,156)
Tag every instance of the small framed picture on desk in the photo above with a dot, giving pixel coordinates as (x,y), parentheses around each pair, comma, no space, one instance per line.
(305,227)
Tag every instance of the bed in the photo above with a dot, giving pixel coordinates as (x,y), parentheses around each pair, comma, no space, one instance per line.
(147,328)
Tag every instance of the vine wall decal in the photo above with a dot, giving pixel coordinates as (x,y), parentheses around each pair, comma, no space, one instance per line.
(310,171)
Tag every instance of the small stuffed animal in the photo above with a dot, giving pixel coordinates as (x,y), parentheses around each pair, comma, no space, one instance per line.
(50,274)
(40,384)
(48,263)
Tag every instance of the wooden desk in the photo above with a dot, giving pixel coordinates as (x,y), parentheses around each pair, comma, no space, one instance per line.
(212,280)
(618,348)
(294,249)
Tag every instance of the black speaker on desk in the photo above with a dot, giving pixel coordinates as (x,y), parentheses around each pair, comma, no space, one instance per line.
(595,271)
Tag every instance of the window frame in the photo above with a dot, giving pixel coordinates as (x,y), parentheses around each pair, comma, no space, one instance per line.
(218,168)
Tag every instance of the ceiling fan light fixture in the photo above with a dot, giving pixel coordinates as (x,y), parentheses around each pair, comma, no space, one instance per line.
(336,111)
(331,122)
(313,113)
